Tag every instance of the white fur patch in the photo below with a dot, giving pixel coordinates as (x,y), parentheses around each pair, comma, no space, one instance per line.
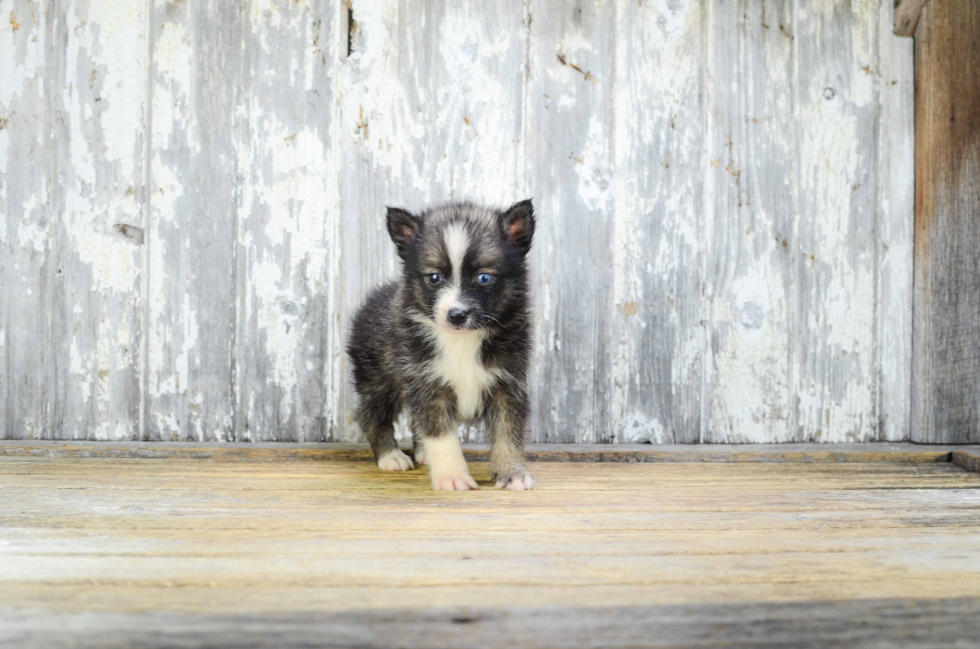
(448,299)
(457,243)
(459,365)
(447,466)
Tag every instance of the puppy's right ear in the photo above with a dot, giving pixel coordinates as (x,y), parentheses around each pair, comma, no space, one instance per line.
(404,228)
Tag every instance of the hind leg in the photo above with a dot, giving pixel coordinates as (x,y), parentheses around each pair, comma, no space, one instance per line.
(376,418)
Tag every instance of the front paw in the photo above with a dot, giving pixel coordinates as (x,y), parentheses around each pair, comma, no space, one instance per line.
(459,481)
(420,456)
(395,460)
(447,466)
(521,480)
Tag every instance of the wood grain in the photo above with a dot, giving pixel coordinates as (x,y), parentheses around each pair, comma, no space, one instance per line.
(191,317)
(911,623)
(72,99)
(968,459)
(750,278)
(137,542)
(187,233)
(895,228)
(834,356)
(946,364)
(906,16)
(655,321)
(570,169)
(99,129)
(288,224)
(25,221)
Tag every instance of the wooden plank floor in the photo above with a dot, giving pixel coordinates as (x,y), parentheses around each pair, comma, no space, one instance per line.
(177,551)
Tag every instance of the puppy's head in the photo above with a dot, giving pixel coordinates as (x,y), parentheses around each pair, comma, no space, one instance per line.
(464,264)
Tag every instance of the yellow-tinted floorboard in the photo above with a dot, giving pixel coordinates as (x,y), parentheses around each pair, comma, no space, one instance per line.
(185,536)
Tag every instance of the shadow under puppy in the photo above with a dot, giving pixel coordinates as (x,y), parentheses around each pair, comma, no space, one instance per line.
(449,342)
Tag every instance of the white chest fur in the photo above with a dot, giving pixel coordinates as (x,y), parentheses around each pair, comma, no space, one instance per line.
(459,365)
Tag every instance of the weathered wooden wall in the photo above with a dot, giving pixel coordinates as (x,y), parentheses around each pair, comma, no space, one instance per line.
(946,390)
(192,199)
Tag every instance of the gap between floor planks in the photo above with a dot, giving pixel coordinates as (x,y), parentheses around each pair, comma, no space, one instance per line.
(967,457)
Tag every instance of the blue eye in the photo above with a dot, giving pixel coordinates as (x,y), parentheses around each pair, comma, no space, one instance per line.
(484,278)
(434,279)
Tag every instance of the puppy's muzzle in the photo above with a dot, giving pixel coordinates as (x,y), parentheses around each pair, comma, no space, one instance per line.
(457,317)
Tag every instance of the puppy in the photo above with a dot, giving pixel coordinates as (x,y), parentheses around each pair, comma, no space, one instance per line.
(449,342)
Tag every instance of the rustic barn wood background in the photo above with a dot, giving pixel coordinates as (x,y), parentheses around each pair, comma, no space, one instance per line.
(192,201)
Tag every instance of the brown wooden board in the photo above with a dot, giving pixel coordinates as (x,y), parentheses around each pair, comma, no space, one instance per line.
(907,16)
(946,325)
(967,459)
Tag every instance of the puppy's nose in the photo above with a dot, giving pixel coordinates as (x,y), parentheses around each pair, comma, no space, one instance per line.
(457,316)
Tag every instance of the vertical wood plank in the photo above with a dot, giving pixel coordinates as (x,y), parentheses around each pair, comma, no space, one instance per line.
(432,110)
(370,178)
(750,235)
(570,163)
(100,131)
(652,391)
(946,361)
(26,161)
(191,302)
(288,232)
(835,373)
(896,213)
(78,218)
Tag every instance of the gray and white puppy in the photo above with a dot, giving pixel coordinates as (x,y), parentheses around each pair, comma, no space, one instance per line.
(449,342)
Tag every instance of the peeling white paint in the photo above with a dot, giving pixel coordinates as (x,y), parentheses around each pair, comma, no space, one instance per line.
(656,244)
(836,381)
(81,370)
(296,201)
(749,236)
(71,137)
(686,284)
(31,235)
(188,344)
(277,330)
(895,227)
(639,430)
(594,174)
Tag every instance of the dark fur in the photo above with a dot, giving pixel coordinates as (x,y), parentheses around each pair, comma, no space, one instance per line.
(390,350)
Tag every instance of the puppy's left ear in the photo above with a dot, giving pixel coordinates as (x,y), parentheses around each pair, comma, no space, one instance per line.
(517,223)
